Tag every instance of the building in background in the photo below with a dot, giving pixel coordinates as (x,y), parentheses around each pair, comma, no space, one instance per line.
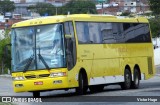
(117,7)
(2,30)
(112,7)
(21,6)
(7,22)
(21,13)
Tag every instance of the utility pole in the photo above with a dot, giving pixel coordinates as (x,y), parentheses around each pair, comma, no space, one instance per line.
(56,10)
(102,2)
(102,8)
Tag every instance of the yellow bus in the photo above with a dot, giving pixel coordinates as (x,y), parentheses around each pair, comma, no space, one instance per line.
(80,51)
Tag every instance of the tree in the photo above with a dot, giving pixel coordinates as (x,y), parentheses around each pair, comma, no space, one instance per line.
(154,25)
(155,22)
(79,7)
(155,6)
(6,6)
(125,14)
(43,9)
(5,62)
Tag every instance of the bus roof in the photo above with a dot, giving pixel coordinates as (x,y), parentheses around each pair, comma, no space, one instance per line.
(78,17)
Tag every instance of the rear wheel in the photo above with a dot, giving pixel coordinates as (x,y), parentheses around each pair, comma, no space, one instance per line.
(127,80)
(135,83)
(36,94)
(82,88)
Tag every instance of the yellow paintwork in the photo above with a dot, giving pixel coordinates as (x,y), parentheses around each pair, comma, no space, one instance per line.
(76,17)
(97,59)
(28,84)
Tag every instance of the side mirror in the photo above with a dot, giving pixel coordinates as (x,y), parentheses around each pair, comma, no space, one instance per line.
(68,36)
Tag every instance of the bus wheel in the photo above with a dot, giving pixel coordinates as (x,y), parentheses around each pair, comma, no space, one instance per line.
(127,80)
(82,89)
(135,83)
(36,94)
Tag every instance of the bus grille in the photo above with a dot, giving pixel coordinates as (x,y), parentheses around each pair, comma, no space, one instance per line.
(37,76)
(44,75)
(150,66)
(31,76)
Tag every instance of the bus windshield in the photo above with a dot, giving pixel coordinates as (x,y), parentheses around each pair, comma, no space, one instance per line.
(38,48)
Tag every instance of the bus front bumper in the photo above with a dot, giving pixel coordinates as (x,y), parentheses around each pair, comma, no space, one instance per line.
(40,84)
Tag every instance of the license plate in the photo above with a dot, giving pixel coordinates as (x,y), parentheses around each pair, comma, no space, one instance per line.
(38,83)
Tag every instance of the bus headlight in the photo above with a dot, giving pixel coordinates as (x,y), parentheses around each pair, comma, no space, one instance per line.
(20,78)
(58,74)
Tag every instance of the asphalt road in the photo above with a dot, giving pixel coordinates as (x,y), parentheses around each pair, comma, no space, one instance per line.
(113,93)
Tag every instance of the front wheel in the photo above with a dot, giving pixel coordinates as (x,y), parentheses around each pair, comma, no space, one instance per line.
(127,80)
(81,89)
(36,94)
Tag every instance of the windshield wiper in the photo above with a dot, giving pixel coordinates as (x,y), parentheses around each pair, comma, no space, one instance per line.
(43,61)
(29,61)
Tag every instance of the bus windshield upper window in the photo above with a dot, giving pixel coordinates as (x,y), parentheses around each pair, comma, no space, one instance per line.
(39,47)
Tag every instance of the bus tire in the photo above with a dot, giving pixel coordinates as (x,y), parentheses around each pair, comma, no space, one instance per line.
(136,81)
(127,80)
(36,94)
(81,89)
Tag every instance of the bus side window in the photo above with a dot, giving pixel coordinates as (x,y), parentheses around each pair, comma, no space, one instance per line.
(118,32)
(70,45)
(107,33)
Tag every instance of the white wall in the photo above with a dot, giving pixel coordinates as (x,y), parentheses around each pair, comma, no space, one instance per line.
(156,51)
(1,34)
(157,56)
(35,1)
(2,19)
(156,41)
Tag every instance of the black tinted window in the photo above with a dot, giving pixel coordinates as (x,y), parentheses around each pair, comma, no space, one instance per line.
(70,45)
(92,32)
(137,33)
(107,33)
(118,32)
(95,32)
(82,32)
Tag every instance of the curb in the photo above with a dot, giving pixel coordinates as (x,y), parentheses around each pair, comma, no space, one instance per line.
(157,65)
(157,74)
(6,75)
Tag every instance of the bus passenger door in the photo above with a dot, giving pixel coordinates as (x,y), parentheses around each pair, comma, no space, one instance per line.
(70,50)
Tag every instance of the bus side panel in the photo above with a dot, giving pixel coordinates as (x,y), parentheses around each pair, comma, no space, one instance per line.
(84,61)
(140,54)
(105,68)
(73,74)
(131,62)
(105,62)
